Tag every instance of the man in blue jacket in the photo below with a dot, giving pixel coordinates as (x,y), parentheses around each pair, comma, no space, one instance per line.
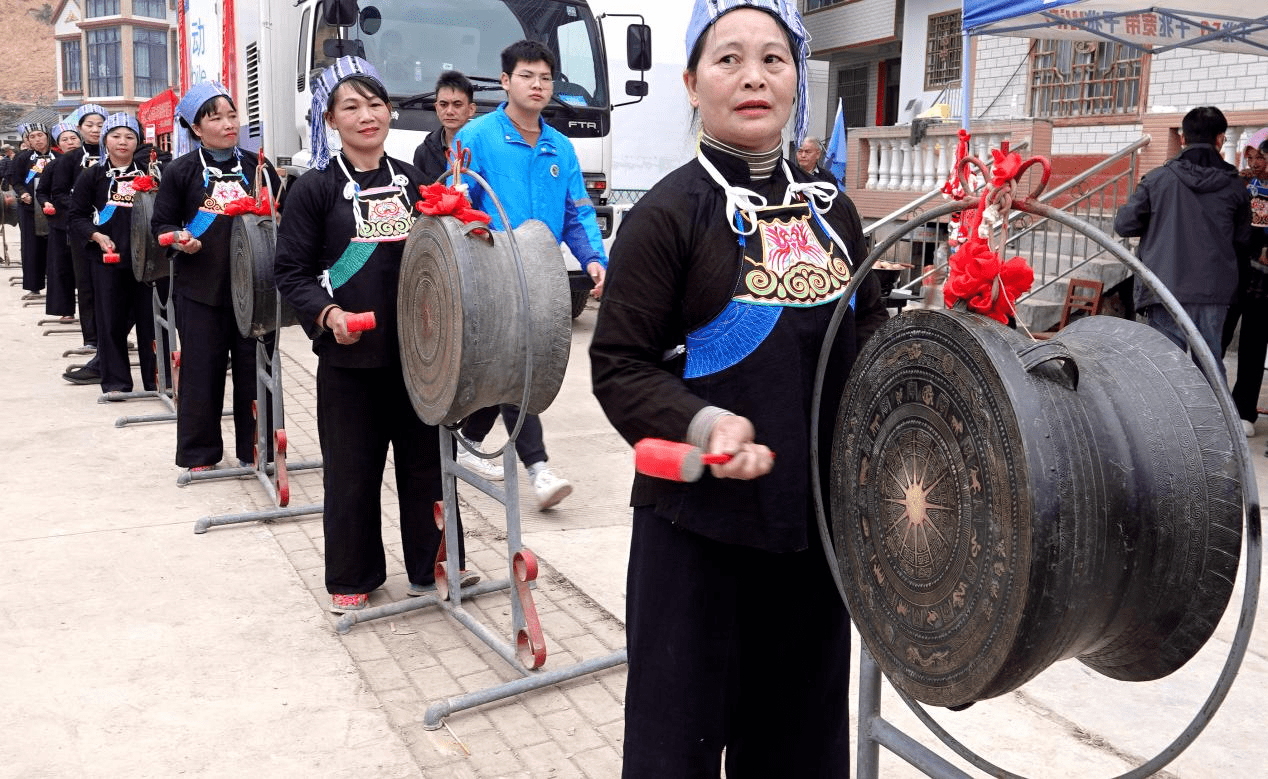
(1193,219)
(534,171)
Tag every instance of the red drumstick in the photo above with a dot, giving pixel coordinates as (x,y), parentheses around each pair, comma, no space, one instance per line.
(167,239)
(49,209)
(110,258)
(672,460)
(358,322)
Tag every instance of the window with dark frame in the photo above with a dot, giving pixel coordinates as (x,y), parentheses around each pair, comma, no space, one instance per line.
(815,5)
(105,69)
(72,67)
(943,47)
(1082,79)
(154,9)
(852,89)
(97,8)
(149,61)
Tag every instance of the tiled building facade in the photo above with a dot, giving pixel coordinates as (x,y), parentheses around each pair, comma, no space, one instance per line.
(118,53)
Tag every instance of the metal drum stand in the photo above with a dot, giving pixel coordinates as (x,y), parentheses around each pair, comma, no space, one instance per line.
(874,731)
(165,352)
(274,476)
(527,653)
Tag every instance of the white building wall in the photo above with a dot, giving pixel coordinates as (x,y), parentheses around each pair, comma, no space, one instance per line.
(915,35)
(1181,79)
(1093,139)
(850,24)
(1000,82)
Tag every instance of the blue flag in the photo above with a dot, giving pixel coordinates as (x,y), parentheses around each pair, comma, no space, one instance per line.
(838,148)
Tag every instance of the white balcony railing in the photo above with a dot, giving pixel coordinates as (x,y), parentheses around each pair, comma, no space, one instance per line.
(894,164)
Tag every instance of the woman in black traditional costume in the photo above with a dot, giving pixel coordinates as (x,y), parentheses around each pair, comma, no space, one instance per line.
(339,252)
(721,285)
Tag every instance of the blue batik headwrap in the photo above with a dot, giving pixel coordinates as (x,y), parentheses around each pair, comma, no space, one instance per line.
(324,86)
(187,110)
(63,127)
(707,12)
(32,127)
(86,110)
(120,119)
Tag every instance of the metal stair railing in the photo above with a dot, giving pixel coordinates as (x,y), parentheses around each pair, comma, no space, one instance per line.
(1023,226)
(1092,202)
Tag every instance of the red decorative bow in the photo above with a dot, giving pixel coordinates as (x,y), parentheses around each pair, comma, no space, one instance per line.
(1006,167)
(250,205)
(441,200)
(144,184)
(982,280)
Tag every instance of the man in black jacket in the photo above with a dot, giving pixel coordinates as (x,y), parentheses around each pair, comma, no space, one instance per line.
(1192,216)
(455,105)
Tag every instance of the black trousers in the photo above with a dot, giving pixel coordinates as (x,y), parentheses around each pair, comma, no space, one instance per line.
(121,301)
(60,300)
(1251,352)
(529,444)
(82,266)
(359,412)
(737,648)
(210,343)
(34,251)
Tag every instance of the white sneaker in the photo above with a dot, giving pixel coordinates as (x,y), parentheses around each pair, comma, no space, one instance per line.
(488,469)
(1248,428)
(550,488)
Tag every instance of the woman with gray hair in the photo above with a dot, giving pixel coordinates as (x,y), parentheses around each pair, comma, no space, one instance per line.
(723,280)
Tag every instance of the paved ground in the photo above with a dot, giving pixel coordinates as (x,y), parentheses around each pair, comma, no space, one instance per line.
(138,648)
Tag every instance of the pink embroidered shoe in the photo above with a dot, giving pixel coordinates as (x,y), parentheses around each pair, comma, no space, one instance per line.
(340,603)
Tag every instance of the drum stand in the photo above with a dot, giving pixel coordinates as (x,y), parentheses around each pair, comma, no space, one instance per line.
(57,327)
(165,354)
(268,384)
(528,652)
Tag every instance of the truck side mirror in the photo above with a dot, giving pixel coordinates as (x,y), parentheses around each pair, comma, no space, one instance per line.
(636,88)
(638,47)
(371,20)
(340,13)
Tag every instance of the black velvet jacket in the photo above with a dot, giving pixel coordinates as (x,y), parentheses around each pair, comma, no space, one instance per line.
(203,276)
(318,227)
(675,266)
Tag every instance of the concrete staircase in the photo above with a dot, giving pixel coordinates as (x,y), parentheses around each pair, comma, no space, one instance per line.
(1058,254)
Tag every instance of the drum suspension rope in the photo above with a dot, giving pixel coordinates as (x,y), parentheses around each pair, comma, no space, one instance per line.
(273,476)
(528,652)
(875,731)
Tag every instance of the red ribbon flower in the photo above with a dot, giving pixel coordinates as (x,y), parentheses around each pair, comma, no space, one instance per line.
(987,284)
(144,184)
(250,205)
(441,200)
(1006,167)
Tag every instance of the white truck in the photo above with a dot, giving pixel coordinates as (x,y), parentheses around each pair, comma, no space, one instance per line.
(267,51)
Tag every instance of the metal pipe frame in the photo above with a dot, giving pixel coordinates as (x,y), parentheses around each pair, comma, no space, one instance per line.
(268,383)
(874,731)
(508,495)
(164,341)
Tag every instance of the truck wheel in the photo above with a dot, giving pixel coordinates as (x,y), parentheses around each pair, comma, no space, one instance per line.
(579,298)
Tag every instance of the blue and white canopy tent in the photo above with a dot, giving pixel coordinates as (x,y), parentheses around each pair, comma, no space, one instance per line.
(1214,25)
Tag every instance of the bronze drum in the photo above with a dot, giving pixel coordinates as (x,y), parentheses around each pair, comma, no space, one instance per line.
(462,316)
(1000,504)
(254,291)
(149,260)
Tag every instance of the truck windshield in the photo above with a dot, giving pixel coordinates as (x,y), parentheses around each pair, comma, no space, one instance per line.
(418,39)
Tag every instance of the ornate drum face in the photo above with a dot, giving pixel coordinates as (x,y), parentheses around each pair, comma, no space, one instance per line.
(998,505)
(936,521)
